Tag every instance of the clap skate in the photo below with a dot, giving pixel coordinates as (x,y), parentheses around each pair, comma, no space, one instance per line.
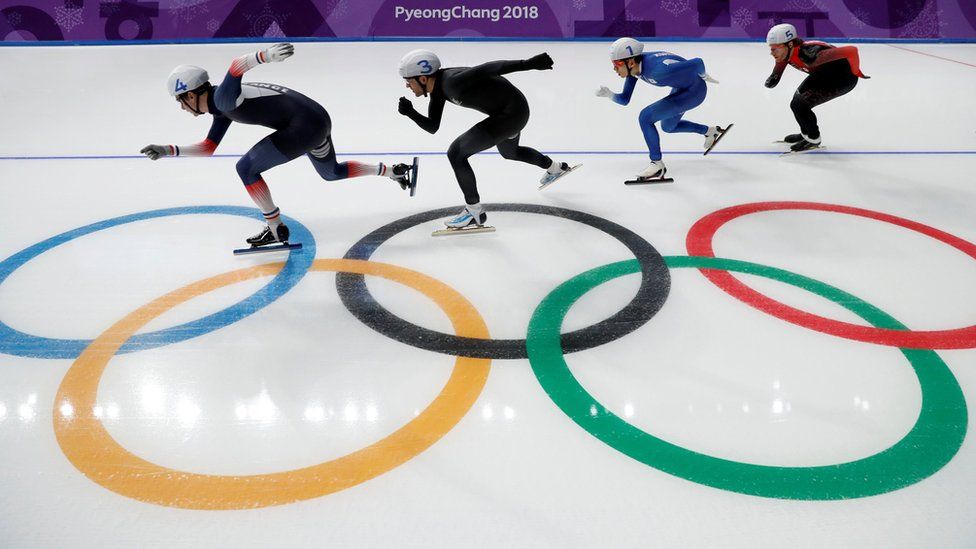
(802,146)
(466,222)
(269,241)
(653,174)
(714,135)
(549,178)
(406,175)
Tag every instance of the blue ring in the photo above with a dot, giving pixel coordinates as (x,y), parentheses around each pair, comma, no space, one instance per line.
(14,342)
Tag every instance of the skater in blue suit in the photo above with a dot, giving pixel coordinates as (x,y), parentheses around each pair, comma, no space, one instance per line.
(686,77)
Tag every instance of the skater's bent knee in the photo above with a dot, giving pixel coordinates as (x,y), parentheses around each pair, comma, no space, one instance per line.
(245,169)
(669,125)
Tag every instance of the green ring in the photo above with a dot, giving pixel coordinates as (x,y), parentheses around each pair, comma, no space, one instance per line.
(933,441)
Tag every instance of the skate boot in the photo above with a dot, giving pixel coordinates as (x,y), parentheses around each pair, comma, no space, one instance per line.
(269,236)
(804,145)
(655,170)
(471,215)
(405,175)
(714,135)
(554,172)
(793,138)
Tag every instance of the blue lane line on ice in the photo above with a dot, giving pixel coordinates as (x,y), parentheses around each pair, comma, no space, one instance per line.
(438,153)
(842,39)
(15,342)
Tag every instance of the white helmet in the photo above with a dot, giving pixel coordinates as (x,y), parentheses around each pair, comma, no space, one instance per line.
(419,63)
(625,48)
(186,78)
(781,34)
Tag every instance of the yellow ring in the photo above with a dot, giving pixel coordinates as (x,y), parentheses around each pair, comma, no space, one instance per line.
(94,452)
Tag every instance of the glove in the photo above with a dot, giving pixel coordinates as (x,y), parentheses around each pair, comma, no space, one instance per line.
(155,152)
(708,79)
(604,92)
(772,80)
(405,107)
(541,62)
(278,53)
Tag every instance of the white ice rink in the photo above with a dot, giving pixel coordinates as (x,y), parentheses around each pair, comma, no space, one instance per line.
(713,424)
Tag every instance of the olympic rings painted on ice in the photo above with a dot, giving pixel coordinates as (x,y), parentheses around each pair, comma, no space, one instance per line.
(14,342)
(87,444)
(932,442)
(699,243)
(653,291)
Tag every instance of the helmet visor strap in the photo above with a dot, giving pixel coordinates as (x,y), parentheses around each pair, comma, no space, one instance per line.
(183,98)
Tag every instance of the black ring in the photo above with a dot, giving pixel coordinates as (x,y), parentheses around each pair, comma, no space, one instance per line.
(653,292)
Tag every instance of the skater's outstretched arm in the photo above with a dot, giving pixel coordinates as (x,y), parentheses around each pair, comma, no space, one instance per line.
(204,148)
(430,123)
(777,73)
(622,98)
(539,62)
(228,95)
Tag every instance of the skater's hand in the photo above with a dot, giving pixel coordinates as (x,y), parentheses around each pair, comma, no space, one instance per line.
(541,62)
(279,52)
(155,152)
(405,107)
(772,80)
(604,92)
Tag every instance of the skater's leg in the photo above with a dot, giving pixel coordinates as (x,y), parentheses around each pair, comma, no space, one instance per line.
(324,161)
(679,102)
(262,157)
(833,81)
(471,142)
(511,150)
(507,127)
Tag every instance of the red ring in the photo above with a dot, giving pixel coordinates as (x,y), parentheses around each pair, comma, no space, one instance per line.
(699,242)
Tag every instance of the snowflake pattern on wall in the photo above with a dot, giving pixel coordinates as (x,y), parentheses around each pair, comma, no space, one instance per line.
(188,10)
(213,25)
(742,17)
(340,10)
(928,24)
(67,18)
(274,31)
(859,16)
(676,7)
(263,20)
(579,4)
(14,19)
(805,5)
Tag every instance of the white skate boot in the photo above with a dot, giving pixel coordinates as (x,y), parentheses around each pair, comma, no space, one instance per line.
(470,220)
(654,173)
(556,171)
(714,135)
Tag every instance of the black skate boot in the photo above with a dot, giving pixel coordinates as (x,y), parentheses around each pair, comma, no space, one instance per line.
(405,175)
(803,145)
(267,237)
(793,138)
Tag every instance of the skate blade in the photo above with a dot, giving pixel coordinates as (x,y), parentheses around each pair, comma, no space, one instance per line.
(651,181)
(564,174)
(719,138)
(790,153)
(467,230)
(413,176)
(265,249)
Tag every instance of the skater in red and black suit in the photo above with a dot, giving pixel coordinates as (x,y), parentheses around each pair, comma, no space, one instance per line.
(833,72)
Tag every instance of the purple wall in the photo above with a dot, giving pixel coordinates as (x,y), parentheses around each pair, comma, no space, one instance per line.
(100,20)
